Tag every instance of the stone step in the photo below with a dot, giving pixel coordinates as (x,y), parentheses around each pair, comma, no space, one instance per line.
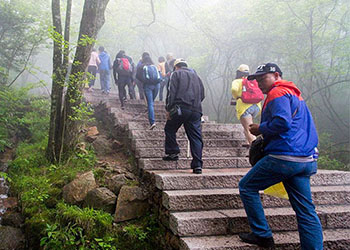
(184,152)
(159,143)
(145,134)
(228,198)
(205,126)
(229,178)
(185,163)
(334,239)
(234,221)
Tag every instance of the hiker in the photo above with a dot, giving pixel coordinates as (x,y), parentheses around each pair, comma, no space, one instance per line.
(161,69)
(185,94)
(104,70)
(149,75)
(123,73)
(92,68)
(247,106)
(290,154)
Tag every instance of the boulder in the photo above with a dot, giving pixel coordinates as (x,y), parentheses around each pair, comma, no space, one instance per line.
(103,146)
(76,191)
(12,219)
(132,203)
(101,198)
(116,182)
(11,238)
(92,134)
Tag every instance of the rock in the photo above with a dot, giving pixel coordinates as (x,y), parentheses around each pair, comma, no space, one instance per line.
(12,219)
(101,198)
(132,203)
(92,134)
(116,182)
(76,191)
(103,146)
(9,204)
(117,145)
(11,238)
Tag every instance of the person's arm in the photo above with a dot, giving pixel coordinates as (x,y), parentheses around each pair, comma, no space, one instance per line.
(98,61)
(171,94)
(115,66)
(201,88)
(281,121)
(236,84)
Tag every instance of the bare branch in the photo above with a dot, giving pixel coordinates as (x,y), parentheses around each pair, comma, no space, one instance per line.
(153,20)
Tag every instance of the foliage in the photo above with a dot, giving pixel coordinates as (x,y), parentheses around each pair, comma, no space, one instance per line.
(22,26)
(22,116)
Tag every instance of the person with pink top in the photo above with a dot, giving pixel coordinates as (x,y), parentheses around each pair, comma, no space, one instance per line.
(92,68)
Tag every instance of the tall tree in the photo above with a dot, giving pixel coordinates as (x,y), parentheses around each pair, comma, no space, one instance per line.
(64,124)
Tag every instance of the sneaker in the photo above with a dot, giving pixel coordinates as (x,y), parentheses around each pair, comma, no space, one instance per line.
(197,170)
(171,157)
(256,240)
(152,126)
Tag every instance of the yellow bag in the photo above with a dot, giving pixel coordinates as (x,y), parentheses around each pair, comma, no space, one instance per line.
(277,190)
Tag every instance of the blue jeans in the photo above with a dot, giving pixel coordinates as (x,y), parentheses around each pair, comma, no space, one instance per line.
(296,179)
(151,92)
(192,123)
(105,80)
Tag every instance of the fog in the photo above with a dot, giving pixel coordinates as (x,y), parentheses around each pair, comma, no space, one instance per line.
(308,39)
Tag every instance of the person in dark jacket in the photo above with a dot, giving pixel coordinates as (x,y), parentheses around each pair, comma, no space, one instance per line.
(124,77)
(184,107)
(290,156)
(151,89)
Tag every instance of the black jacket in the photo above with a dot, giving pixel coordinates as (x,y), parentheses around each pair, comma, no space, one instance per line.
(116,64)
(185,89)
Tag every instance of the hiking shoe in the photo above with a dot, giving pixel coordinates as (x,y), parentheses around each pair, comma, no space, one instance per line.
(197,170)
(152,126)
(171,157)
(256,240)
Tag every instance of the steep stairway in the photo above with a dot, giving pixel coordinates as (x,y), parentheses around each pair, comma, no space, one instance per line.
(205,211)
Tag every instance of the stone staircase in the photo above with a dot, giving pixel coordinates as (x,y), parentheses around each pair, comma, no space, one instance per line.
(205,211)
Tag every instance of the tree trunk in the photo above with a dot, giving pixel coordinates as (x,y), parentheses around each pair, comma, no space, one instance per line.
(91,22)
(65,65)
(56,80)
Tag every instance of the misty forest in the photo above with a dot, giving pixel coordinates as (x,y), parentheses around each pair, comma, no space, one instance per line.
(54,132)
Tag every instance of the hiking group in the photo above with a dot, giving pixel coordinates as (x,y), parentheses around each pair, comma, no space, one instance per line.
(287,128)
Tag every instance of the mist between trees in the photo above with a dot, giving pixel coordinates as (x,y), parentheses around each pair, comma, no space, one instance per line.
(308,39)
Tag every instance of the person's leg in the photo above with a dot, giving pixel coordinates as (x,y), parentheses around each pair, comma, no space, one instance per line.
(131,89)
(194,135)
(103,80)
(299,192)
(155,91)
(140,88)
(260,177)
(121,89)
(108,82)
(161,89)
(246,120)
(149,97)
(170,129)
(92,71)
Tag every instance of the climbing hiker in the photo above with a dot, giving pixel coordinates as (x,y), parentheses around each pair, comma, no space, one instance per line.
(290,140)
(149,75)
(123,73)
(185,94)
(162,71)
(92,68)
(248,99)
(104,70)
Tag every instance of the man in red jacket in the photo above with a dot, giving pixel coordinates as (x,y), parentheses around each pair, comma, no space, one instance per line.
(290,155)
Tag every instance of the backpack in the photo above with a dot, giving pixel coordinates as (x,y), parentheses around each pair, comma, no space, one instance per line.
(123,66)
(151,74)
(251,92)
